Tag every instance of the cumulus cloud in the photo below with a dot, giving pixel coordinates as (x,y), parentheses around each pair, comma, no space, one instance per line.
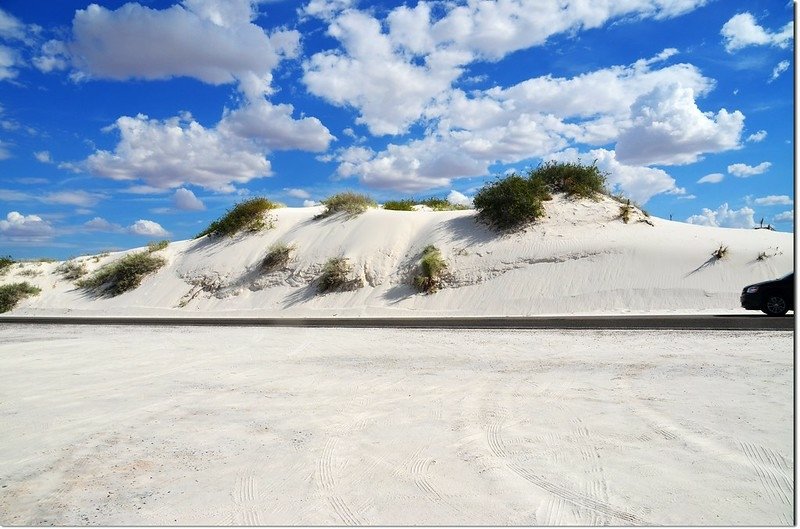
(43,156)
(742,30)
(669,129)
(724,217)
(101,224)
(786,216)
(742,170)
(185,200)
(713,178)
(310,203)
(25,228)
(460,199)
(773,200)
(297,193)
(757,136)
(147,228)
(73,198)
(778,70)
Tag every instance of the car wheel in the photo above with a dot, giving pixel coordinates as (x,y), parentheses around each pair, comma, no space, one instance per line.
(775,306)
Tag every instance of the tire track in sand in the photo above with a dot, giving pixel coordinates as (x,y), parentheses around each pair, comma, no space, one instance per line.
(771,469)
(245,495)
(327,482)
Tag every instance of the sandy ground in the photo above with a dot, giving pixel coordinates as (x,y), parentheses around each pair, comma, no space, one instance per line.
(165,426)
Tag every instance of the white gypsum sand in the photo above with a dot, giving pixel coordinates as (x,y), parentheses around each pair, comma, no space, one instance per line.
(580,259)
(204,426)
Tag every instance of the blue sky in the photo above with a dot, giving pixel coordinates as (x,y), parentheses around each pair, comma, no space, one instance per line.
(122,123)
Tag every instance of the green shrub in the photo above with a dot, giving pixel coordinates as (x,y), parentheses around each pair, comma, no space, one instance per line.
(157,245)
(122,275)
(510,202)
(277,257)
(334,274)
(72,270)
(432,266)
(245,216)
(406,204)
(442,204)
(13,293)
(574,179)
(5,264)
(347,202)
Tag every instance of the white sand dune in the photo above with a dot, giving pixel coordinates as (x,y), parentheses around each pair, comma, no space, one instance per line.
(581,259)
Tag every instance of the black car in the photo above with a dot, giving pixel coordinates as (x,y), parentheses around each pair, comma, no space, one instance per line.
(773,298)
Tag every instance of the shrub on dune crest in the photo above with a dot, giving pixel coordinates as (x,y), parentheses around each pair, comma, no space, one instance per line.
(406,204)
(510,202)
(347,202)
(122,275)
(432,266)
(157,245)
(13,293)
(250,216)
(574,179)
(442,204)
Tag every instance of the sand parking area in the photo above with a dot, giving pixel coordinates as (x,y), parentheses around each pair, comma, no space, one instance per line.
(258,426)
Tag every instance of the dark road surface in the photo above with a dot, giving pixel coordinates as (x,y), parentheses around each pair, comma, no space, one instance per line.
(757,322)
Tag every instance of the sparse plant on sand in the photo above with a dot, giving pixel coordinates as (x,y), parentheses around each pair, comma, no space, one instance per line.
(122,275)
(347,202)
(442,204)
(277,257)
(720,252)
(511,202)
(406,204)
(13,293)
(334,274)
(248,216)
(72,270)
(574,179)
(625,211)
(5,264)
(431,266)
(30,272)
(157,245)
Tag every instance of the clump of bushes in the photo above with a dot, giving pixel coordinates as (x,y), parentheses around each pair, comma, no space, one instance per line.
(432,266)
(72,270)
(248,216)
(5,264)
(277,257)
(442,204)
(13,293)
(512,201)
(720,252)
(573,179)
(347,202)
(122,275)
(157,245)
(334,274)
(405,204)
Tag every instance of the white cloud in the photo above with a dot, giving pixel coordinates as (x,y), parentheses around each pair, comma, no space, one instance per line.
(73,198)
(774,200)
(297,193)
(178,151)
(101,224)
(43,156)
(713,178)
(147,228)
(310,203)
(724,217)
(668,128)
(9,59)
(778,70)
(460,199)
(54,56)
(786,216)
(742,30)
(185,200)
(10,27)
(757,136)
(25,228)
(745,171)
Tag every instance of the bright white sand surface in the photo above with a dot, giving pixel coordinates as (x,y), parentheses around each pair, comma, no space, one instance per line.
(580,259)
(138,426)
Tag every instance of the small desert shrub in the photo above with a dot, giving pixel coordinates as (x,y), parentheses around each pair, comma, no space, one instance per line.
(625,211)
(442,204)
(405,204)
(122,275)
(13,293)
(574,179)
(720,252)
(334,274)
(431,266)
(249,216)
(511,202)
(157,245)
(347,202)
(5,264)
(277,257)
(30,272)
(72,270)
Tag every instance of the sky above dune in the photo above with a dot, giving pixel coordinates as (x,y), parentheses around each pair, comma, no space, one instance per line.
(122,123)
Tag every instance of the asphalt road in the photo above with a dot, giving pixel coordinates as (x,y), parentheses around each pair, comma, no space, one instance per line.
(705,322)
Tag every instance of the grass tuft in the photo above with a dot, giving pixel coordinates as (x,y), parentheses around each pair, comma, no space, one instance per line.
(157,245)
(348,202)
(334,274)
(248,216)
(442,204)
(277,257)
(13,293)
(431,266)
(5,264)
(72,270)
(720,252)
(406,204)
(122,275)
